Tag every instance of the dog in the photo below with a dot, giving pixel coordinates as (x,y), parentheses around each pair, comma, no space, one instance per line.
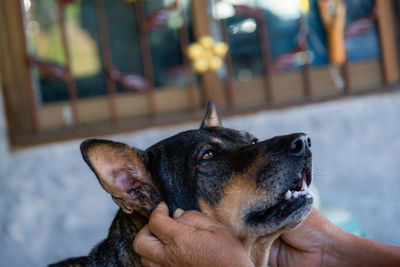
(257,189)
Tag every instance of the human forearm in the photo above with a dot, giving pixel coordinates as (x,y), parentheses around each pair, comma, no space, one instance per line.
(345,249)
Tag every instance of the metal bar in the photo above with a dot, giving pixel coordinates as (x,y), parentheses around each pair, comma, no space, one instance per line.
(386,24)
(190,87)
(107,59)
(230,94)
(210,84)
(146,59)
(266,58)
(68,75)
(306,72)
(346,77)
(31,94)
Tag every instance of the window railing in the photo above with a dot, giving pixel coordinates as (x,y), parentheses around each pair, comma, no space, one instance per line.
(100,66)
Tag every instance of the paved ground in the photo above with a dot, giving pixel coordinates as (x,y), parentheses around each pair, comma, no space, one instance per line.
(52,206)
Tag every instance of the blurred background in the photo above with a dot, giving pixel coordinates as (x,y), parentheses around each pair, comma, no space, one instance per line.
(140,71)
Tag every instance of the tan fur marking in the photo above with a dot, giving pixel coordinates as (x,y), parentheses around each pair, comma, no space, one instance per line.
(216,140)
(242,192)
(260,249)
(213,119)
(242,133)
(238,193)
(206,209)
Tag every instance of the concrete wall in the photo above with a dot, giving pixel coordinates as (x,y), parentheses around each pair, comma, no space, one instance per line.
(52,206)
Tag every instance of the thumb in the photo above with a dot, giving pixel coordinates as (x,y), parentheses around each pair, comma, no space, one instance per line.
(196,219)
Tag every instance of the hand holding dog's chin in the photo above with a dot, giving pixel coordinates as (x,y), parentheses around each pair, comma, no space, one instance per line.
(303,246)
(192,239)
(318,242)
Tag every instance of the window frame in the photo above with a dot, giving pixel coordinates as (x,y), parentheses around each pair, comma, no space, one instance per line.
(21,114)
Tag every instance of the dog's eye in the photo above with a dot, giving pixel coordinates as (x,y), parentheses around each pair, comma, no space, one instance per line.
(254,141)
(208,155)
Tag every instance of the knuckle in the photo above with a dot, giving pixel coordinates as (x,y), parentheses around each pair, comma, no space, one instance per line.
(190,214)
(154,218)
(137,244)
(139,239)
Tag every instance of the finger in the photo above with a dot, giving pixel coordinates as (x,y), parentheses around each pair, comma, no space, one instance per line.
(273,252)
(149,263)
(177,213)
(163,226)
(197,220)
(148,246)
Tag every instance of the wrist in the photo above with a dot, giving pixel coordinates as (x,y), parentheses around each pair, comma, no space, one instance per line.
(243,262)
(345,249)
(336,245)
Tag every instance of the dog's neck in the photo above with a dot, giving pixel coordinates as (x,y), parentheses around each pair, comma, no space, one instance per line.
(258,248)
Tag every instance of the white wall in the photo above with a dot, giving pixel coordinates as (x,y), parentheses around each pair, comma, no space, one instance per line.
(52,206)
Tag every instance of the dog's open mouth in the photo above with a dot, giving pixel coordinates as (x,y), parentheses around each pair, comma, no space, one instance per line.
(294,198)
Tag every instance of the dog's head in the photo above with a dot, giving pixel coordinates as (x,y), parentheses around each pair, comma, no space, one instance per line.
(255,188)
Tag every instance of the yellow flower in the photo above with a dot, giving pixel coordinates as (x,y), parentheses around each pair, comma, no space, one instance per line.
(195,51)
(304,6)
(206,54)
(206,41)
(220,49)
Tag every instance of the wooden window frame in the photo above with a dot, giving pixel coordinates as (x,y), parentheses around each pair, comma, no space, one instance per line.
(19,101)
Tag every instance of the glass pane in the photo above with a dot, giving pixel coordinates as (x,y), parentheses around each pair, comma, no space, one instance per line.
(361,47)
(282,20)
(165,42)
(46,45)
(43,30)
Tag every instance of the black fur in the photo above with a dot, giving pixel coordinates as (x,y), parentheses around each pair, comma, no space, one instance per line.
(181,176)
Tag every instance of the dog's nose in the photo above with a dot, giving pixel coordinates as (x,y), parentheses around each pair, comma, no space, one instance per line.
(298,144)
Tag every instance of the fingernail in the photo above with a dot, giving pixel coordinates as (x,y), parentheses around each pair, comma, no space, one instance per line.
(178,212)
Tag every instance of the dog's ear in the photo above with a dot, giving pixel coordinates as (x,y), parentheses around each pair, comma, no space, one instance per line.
(122,172)
(212,116)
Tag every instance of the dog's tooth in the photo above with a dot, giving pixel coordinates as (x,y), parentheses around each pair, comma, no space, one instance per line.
(304,186)
(299,175)
(288,195)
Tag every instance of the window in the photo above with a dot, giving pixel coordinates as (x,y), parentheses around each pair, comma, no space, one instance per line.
(81,67)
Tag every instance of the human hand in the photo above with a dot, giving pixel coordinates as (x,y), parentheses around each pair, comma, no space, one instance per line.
(188,239)
(303,246)
(318,242)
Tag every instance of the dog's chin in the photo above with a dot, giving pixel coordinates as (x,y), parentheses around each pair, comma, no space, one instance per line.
(284,215)
(289,210)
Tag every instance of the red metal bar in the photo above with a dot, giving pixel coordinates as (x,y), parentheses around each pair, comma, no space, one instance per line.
(346,77)
(107,59)
(190,87)
(306,73)
(381,52)
(355,28)
(361,25)
(128,81)
(68,76)
(230,94)
(146,59)
(245,11)
(157,18)
(266,58)
(31,93)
